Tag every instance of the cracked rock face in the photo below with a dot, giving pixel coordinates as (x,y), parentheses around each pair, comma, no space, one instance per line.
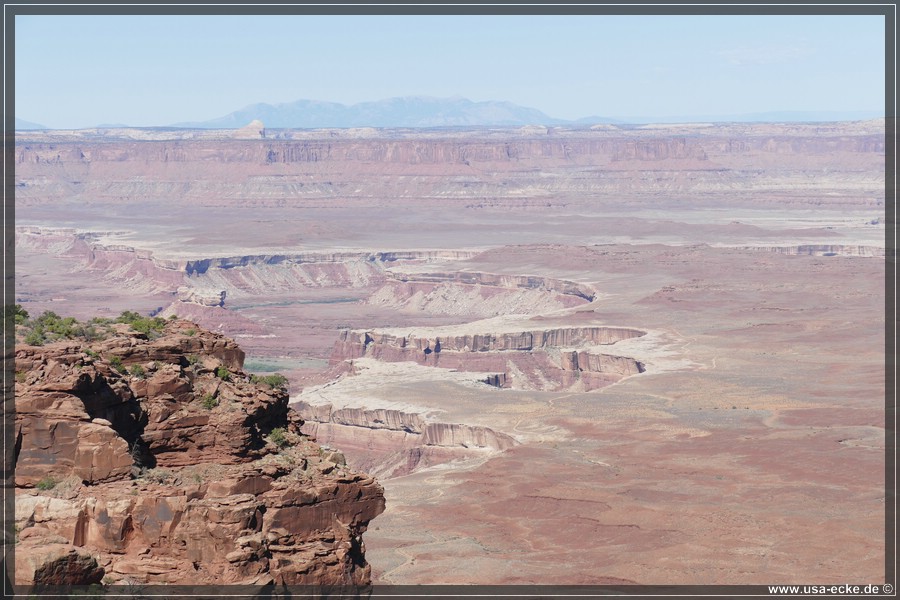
(159,461)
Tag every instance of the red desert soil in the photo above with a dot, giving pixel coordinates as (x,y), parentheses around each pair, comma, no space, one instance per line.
(750,449)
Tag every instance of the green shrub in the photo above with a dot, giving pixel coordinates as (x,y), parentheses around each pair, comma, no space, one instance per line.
(47,483)
(128,316)
(190,332)
(193,359)
(47,317)
(209,401)
(65,328)
(91,353)
(278,437)
(35,337)
(145,325)
(16,312)
(116,363)
(49,327)
(137,371)
(275,381)
(91,333)
(223,374)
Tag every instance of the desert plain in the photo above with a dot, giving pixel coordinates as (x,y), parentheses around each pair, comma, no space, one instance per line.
(619,354)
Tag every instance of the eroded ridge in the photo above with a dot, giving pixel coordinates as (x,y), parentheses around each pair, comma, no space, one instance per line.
(415,281)
(476,293)
(547,359)
(529,282)
(390,442)
(251,272)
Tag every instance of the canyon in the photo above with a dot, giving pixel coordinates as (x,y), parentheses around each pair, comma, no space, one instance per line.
(606,355)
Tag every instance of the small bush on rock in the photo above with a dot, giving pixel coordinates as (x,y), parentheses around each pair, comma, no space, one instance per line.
(278,437)
(276,381)
(47,483)
(209,401)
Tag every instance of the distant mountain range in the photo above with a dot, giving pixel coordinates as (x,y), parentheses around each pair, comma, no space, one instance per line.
(410,111)
(23,124)
(425,112)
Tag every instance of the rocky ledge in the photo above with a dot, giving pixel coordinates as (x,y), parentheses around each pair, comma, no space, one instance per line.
(546,359)
(146,458)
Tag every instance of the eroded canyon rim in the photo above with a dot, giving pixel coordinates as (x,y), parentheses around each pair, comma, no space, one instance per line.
(614,354)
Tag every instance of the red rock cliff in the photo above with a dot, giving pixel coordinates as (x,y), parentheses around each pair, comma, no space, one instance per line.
(159,460)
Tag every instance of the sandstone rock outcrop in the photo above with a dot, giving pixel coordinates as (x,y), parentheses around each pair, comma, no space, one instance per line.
(155,459)
(204,297)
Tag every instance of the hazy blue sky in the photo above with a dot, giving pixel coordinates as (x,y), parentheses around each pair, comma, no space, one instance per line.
(81,71)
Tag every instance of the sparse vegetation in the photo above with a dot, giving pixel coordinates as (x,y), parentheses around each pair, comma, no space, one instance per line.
(157,475)
(47,483)
(137,371)
(137,452)
(116,363)
(223,373)
(150,326)
(50,327)
(278,437)
(275,381)
(35,338)
(15,311)
(193,359)
(190,332)
(209,401)
(47,327)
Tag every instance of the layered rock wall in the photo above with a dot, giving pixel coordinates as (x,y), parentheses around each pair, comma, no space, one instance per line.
(355,344)
(432,433)
(548,284)
(440,166)
(392,443)
(539,359)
